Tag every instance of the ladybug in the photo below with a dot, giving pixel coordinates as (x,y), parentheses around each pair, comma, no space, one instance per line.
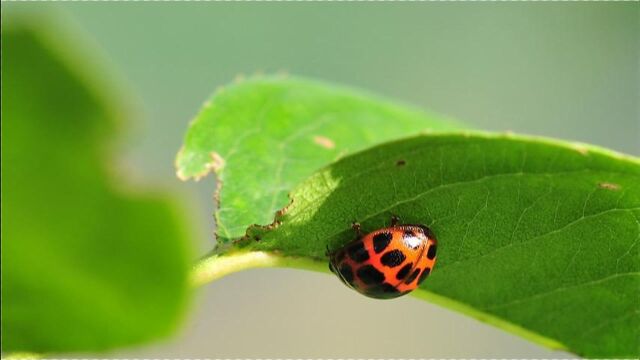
(386,263)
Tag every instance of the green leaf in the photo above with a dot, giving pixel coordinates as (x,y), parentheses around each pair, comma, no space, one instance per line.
(86,265)
(538,237)
(265,135)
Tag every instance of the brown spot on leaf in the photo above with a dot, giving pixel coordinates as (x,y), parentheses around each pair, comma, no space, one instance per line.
(401,162)
(324,142)
(609,186)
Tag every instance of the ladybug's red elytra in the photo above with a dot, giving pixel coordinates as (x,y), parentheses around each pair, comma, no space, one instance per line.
(388,262)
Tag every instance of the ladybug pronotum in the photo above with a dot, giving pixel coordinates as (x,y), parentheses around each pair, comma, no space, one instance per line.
(388,262)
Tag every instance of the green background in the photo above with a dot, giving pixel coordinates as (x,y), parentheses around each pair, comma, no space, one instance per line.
(562,70)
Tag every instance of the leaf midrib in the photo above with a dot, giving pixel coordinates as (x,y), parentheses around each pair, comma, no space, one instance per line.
(312,202)
(383,162)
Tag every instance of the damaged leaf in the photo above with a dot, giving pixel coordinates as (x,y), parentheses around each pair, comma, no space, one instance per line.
(535,236)
(265,135)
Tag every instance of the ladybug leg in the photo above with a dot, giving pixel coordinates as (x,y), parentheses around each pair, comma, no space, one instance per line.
(395,220)
(356,227)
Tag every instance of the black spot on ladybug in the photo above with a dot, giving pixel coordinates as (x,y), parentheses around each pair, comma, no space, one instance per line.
(401,163)
(389,289)
(370,275)
(381,241)
(431,253)
(412,277)
(404,271)
(424,275)
(385,288)
(408,233)
(347,273)
(358,253)
(393,258)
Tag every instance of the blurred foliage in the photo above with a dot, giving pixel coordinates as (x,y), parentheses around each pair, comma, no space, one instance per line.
(537,237)
(86,266)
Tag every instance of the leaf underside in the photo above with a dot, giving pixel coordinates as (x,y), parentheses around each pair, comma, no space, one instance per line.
(84,266)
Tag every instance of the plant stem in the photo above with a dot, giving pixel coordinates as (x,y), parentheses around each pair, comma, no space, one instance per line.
(22,356)
(217,266)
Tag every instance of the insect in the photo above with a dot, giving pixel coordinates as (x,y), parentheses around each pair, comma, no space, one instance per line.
(387,262)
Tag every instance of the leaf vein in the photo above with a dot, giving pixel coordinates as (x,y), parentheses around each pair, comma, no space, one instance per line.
(561,289)
(564,227)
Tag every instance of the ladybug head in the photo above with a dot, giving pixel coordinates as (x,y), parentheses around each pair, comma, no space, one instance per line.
(427,232)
